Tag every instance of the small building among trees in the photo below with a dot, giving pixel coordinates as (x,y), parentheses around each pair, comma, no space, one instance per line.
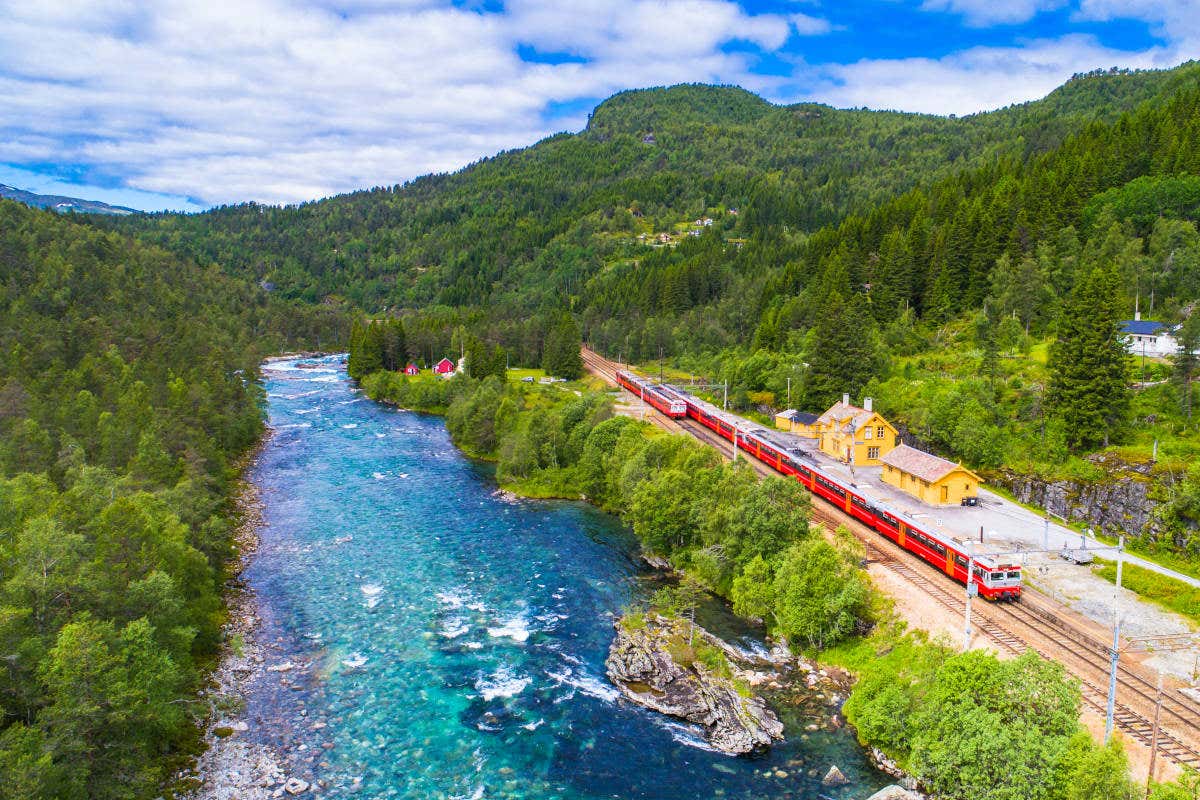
(798,422)
(1148,338)
(412,369)
(444,367)
(928,478)
(857,436)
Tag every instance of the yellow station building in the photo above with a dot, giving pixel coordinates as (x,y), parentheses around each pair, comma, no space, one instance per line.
(854,435)
(928,478)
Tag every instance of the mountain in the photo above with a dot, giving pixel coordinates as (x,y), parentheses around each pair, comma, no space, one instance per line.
(533,226)
(62,204)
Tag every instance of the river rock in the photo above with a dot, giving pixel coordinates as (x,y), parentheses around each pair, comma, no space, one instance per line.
(640,663)
(295,786)
(894,792)
(834,777)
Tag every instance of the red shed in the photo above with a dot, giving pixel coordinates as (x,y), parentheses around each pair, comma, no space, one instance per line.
(412,369)
(444,367)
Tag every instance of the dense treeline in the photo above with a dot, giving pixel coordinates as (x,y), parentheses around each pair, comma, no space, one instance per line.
(383,344)
(972,727)
(127,396)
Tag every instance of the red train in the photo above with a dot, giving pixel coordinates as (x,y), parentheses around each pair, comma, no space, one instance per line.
(996,580)
(654,394)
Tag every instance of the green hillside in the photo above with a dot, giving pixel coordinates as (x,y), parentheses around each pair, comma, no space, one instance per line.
(527,226)
(126,400)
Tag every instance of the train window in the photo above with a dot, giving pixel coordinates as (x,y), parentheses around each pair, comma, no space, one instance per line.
(962,562)
(1014,575)
(997,576)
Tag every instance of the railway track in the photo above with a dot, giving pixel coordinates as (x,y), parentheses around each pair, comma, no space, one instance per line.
(1013,627)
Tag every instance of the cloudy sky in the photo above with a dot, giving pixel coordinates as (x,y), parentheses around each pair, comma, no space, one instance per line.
(189,103)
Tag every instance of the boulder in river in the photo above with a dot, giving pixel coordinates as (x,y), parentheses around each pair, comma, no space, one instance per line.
(894,792)
(682,670)
(834,777)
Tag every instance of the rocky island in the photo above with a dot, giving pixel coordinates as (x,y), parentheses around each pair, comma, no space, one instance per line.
(679,669)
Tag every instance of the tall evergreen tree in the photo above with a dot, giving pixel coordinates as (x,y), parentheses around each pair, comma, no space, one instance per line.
(845,353)
(1089,364)
(561,356)
(1186,361)
(394,346)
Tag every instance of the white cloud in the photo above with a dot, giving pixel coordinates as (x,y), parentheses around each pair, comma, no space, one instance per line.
(1176,21)
(285,101)
(808,25)
(976,79)
(984,13)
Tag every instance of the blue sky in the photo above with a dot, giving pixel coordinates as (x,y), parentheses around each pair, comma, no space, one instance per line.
(193,103)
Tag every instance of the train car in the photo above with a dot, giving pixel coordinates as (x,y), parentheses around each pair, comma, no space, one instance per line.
(668,404)
(995,580)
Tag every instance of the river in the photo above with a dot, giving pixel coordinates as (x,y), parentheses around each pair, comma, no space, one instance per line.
(429,638)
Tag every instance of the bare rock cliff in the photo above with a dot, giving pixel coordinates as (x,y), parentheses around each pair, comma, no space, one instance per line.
(654,664)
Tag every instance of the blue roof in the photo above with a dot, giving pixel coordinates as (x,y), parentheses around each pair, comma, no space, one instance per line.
(1143,327)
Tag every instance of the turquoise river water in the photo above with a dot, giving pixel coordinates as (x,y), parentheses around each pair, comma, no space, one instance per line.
(448,642)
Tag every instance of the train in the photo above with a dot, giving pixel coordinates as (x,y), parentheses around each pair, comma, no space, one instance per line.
(658,396)
(994,579)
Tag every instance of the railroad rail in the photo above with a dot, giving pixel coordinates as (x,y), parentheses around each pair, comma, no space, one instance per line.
(1032,621)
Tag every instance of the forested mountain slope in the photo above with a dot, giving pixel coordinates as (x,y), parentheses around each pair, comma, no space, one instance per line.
(126,396)
(527,226)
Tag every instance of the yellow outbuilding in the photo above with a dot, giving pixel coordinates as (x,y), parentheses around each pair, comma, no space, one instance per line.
(857,436)
(798,422)
(928,478)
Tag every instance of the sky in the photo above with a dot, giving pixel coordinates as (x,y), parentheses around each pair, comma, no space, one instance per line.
(187,104)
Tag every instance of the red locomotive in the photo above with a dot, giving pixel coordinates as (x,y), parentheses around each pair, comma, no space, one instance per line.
(996,580)
(653,394)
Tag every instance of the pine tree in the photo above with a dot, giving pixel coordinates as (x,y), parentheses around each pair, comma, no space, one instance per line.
(1186,362)
(561,355)
(1089,364)
(394,346)
(366,349)
(845,354)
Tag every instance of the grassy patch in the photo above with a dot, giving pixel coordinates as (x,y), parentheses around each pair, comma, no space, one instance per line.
(1158,589)
(634,621)
(515,374)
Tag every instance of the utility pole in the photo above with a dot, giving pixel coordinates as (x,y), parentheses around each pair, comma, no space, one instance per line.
(789,391)
(725,402)
(1116,645)
(1154,734)
(735,433)
(971,588)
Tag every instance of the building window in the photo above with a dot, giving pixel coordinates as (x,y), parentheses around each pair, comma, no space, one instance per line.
(868,433)
(879,432)
(872,452)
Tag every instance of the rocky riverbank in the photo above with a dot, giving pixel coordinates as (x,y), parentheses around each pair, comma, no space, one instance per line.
(666,665)
(231,767)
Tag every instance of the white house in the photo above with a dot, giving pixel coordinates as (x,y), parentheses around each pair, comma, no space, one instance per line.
(1150,338)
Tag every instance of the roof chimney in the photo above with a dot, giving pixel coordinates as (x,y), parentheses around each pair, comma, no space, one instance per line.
(846,399)
(867,403)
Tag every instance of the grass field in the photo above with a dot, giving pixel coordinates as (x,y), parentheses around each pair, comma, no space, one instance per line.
(1158,589)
